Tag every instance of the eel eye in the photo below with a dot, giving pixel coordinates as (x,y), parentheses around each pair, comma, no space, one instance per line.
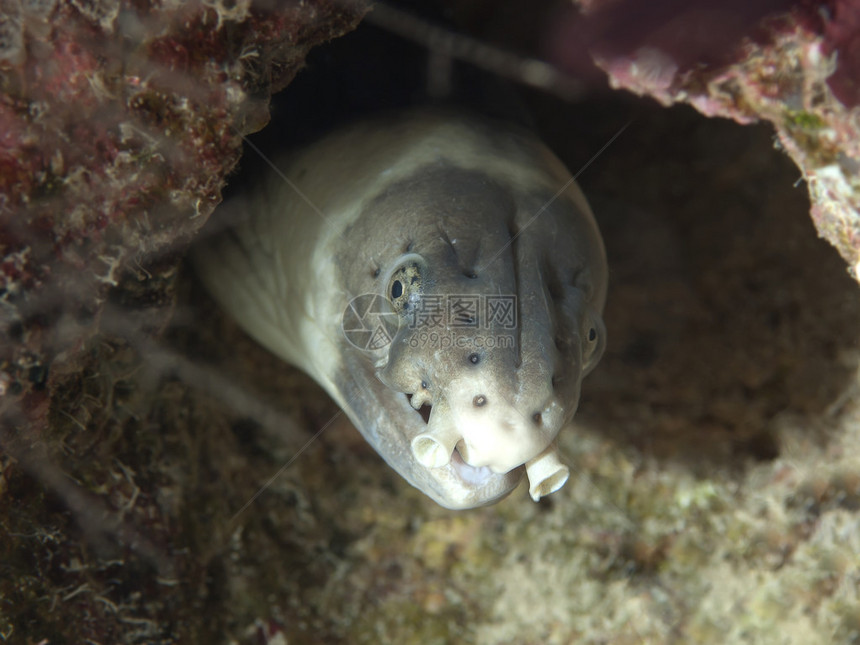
(594,341)
(406,284)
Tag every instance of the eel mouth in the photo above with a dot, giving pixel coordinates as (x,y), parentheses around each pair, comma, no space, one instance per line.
(472,475)
(545,471)
(467,473)
(389,422)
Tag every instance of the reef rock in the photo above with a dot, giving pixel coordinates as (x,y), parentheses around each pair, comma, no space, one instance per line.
(795,64)
(119,121)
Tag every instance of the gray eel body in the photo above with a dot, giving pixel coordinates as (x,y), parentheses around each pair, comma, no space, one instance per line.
(445,243)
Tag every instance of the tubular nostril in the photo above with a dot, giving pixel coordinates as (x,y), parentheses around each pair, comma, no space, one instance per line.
(546,473)
(429,452)
(537,418)
(433,448)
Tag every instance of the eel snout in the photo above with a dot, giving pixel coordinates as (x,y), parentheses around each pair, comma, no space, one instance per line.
(499,440)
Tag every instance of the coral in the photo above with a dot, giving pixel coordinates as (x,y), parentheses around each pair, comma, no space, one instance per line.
(842,41)
(119,123)
(793,64)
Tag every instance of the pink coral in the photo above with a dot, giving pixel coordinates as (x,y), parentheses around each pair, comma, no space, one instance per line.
(842,38)
(795,64)
(119,123)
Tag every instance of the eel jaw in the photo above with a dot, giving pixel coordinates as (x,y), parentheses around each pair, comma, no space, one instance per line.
(442,445)
(546,473)
(389,423)
(455,483)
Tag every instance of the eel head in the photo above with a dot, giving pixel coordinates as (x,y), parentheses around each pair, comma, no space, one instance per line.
(489,326)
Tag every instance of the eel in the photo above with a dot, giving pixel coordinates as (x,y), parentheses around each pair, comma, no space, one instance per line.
(443,278)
